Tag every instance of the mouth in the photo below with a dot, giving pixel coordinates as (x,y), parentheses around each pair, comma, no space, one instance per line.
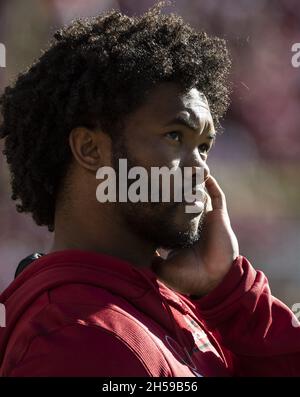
(195,201)
(196,207)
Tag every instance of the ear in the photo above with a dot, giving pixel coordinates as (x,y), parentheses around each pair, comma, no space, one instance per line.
(90,149)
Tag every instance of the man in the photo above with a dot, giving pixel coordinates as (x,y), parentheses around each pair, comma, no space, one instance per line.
(150,90)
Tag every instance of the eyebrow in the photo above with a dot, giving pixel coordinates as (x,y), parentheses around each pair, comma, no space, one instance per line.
(189,124)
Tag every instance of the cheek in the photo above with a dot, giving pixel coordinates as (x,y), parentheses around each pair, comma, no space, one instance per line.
(154,152)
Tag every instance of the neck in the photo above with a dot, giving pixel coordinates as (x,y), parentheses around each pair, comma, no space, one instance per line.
(105,234)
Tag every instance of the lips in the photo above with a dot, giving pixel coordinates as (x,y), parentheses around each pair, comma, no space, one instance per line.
(194,208)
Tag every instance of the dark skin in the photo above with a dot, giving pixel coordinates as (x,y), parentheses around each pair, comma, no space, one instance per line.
(133,232)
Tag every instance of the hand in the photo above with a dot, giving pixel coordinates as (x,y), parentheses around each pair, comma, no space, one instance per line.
(199,269)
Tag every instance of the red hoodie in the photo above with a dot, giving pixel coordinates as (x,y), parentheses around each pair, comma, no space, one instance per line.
(75,313)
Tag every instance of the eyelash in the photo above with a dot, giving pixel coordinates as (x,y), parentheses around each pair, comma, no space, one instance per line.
(175,132)
(179,135)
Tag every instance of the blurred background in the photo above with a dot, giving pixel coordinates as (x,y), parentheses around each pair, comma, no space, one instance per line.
(256,159)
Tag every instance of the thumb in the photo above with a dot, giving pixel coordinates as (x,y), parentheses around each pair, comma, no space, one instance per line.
(173,271)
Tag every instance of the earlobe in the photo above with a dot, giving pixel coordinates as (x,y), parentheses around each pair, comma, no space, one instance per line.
(86,148)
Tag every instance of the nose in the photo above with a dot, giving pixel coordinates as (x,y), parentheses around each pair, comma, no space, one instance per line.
(198,163)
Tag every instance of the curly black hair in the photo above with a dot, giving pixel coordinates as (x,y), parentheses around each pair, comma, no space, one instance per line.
(94,73)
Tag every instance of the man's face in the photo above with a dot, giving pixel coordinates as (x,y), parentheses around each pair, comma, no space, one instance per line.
(172,129)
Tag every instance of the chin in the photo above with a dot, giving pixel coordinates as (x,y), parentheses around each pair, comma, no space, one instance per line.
(182,235)
(188,223)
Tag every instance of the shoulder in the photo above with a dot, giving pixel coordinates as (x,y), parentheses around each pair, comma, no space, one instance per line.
(80,350)
(84,332)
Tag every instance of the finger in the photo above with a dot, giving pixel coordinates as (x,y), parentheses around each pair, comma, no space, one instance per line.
(160,267)
(217,196)
(170,272)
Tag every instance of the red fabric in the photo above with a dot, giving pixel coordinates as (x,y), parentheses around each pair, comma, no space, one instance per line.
(76,313)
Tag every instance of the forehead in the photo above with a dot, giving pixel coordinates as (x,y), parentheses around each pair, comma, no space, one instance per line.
(168,101)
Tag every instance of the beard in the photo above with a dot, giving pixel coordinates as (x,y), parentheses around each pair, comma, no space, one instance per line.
(162,224)
(158,226)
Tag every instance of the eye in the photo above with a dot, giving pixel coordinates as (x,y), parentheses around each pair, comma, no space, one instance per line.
(204,148)
(174,135)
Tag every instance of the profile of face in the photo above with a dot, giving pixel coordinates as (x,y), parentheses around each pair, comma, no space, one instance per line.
(171,129)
